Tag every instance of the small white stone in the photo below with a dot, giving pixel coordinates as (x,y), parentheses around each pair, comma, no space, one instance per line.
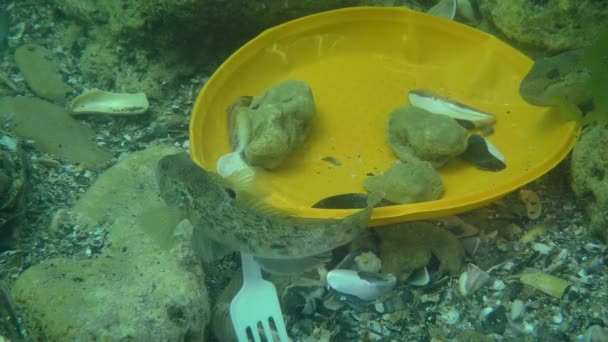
(451,317)
(542,248)
(518,309)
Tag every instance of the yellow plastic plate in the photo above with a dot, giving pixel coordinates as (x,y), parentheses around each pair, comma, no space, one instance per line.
(361,63)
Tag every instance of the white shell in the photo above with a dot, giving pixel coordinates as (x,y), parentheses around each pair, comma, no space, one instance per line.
(231,163)
(350,282)
(103,102)
(472,279)
(444,8)
(428,101)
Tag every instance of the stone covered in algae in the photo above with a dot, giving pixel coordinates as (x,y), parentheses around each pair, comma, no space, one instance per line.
(551,25)
(280,122)
(149,46)
(136,289)
(407,247)
(415,133)
(590,176)
(41,72)
(52,130)
(411,182)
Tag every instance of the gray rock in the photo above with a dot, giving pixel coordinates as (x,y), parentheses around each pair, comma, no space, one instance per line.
(416,134)
(590,176)
(137,289)
(551,25)
(14,184)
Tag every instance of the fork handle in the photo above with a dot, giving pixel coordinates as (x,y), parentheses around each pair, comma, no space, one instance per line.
(251,269)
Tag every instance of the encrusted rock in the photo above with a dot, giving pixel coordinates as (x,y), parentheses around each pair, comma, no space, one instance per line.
(13,183)
(552,25)
(590,176)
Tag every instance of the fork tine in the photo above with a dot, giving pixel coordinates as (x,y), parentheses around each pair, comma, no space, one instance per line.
(267,330)
(241,334)
(279,325)
(256,333)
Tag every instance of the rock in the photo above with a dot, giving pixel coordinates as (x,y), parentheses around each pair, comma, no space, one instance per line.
(14,184)
(41,72)
(137,289)
(52,130)
(163,37)
(589,169)
(407,247)
(411,182)
(551,25)
(416,134)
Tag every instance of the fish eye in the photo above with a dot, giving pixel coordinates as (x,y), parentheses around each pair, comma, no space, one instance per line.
(553,74)
(230,193)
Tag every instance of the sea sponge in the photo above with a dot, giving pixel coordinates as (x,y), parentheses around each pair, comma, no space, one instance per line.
(414,133)
(411,182)
(280,122)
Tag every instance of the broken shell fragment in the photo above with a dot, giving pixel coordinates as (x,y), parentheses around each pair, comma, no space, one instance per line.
(444,8)
(532,202)
(466,116)
(420,277)
(472,279)
(363,285)
(103,102)
(546,283)
(483,154)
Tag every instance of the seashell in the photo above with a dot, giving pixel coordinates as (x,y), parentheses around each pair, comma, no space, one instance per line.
(103,102)
(483,154)
(444,8)
(471,245)
(518,309)
(546,283)
(467,116)
(559,260)
(472,279)
(533,233)
(596,333)
(363,285)
(420,277)
(542,248)
(532,202)
(231,163)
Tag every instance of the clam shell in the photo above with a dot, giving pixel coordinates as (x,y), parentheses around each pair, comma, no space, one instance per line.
(103,102)
(465,115)
(444,8)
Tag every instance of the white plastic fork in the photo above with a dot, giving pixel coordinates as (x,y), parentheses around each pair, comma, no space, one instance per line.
(255,305)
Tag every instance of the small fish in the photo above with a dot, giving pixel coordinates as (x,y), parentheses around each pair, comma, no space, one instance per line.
(239,220)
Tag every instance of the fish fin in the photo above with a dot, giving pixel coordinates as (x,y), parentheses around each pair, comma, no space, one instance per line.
(374,198)
(569,111)
(293,265)
(251,180)
(259,205)
(160,223)
(206,248)
(252,187)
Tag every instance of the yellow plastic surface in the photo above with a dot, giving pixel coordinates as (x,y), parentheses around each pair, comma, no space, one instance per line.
(360,64)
